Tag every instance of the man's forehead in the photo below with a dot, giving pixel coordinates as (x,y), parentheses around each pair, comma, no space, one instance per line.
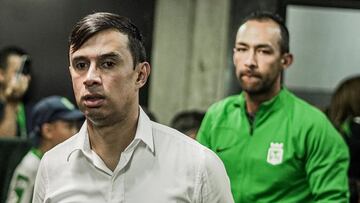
(109,38)
(255,32)
(259,26)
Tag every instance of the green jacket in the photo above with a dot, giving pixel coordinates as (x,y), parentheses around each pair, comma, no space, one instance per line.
(290,153)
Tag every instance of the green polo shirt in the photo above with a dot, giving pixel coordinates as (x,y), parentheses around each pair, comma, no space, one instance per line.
(289,153)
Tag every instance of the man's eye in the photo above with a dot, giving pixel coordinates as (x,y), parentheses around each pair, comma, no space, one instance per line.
(265,51)
(80,65)
(108,64)
(239,49)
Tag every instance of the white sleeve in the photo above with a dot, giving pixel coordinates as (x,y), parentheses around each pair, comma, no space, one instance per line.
(40,183)
(215,184)
(21,188)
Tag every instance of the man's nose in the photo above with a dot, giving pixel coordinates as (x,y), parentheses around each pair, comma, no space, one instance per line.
(92,76)
(250,60)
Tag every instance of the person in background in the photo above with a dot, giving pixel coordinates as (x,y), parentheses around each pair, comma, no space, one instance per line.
(119,154)
(188,122)
(54,120)
(275,146)
(344,113)
(14,82)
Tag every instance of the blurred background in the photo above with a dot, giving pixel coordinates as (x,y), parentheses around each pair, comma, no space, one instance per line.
(189,45)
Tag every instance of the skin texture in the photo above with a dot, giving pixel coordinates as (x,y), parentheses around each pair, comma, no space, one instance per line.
(106,87)
(259,62)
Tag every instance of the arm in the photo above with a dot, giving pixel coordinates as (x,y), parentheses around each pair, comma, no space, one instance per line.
(327,164)
(213,180)
(21,189)
(40,183)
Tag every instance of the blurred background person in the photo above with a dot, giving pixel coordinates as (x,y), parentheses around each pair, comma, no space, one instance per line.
(55,119)
(344,113)
(188,122)
(14,82)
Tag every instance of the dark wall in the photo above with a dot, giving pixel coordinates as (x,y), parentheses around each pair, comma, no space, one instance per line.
(42,29)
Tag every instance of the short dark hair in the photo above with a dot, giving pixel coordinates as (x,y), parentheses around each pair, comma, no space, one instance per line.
(6,52)
(96,22)
(265,16)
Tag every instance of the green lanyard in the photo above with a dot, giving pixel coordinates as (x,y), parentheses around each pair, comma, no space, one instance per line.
(21,121)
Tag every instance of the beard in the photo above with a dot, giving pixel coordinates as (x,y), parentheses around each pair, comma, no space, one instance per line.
(262,85)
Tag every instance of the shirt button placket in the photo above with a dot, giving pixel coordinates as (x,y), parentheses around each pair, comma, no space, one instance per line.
(117,193)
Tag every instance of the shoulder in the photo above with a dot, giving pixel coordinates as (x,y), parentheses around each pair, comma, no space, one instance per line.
(166,135)
(28,166)
(225,104)
(303,111)
(170,141)
(60,152)
(223,110)
(29,163)
(179,143)
(312,122)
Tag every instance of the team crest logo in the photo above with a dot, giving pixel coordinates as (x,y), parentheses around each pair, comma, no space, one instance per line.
(275,153)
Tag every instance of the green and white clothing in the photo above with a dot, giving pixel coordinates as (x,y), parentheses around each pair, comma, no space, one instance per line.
(23,180)
(21,121)
(290,152)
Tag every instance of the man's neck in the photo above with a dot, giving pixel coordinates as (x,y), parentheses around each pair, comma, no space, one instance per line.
(110,141)
(253,101)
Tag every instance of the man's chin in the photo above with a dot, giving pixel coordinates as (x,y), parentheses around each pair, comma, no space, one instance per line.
(250,87)
(253,90)
(94,115)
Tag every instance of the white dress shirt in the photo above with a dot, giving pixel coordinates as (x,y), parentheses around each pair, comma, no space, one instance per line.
(160,165)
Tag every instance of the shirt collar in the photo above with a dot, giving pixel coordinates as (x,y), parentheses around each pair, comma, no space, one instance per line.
(36,152)
(81,142)
(143,133)
(241,101)
(144,130)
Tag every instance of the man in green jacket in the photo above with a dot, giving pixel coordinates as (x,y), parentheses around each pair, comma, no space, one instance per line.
(275,146)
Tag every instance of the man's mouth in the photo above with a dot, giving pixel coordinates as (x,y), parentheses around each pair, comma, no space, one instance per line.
(93,100)
(250,75)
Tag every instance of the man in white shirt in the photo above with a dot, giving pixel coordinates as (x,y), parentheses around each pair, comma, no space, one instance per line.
(120,155)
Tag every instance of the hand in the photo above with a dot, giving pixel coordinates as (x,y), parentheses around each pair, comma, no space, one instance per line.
(17,87)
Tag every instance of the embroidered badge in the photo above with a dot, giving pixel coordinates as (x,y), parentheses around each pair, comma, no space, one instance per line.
(275,153)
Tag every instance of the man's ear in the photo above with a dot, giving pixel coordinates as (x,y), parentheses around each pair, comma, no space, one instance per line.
(143,72)
(46,131)
(286,60)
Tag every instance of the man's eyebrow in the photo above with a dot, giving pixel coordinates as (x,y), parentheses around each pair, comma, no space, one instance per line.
(242,44)
(110,55)
(77,58)
(101,57)
(259,46)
